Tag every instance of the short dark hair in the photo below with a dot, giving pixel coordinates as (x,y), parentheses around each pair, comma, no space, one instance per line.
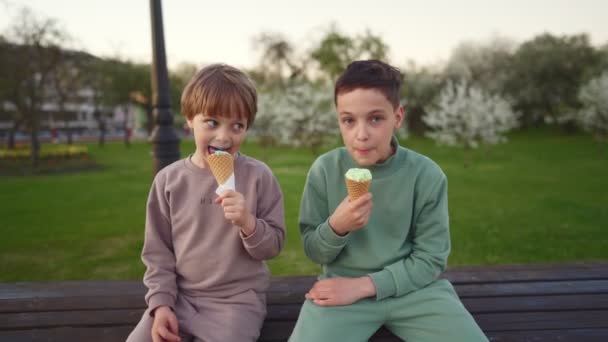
(220,90)
(370,74)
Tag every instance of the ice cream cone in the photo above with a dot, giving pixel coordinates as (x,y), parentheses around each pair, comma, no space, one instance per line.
(356,189)
(221,165)
(357,182)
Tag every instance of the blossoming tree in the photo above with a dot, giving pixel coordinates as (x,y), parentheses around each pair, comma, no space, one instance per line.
(301,114)
(593,116)
(467,116)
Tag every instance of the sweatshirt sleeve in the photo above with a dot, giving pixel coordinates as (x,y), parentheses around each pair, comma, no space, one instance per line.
(431,247)
(158,254)
(321,244)
(268,238)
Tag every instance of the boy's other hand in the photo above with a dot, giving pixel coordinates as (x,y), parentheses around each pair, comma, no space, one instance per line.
(351,215)
(341,291)
(235,210)
(165,327)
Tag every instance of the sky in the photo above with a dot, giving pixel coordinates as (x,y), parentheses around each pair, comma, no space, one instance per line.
(203,32)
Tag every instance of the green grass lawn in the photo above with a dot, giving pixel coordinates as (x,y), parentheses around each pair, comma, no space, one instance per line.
(541,197)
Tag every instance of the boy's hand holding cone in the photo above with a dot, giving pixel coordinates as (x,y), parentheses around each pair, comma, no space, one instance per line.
(222,167)
(354,211)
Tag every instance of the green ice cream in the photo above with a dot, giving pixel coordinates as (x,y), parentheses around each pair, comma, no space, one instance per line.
(217,153)
(359,175)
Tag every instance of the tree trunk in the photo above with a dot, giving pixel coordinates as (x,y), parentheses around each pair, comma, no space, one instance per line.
(569,127)
(413,118)
(11,135)
(127,131)
(102,134)
(10,144)
(68,132)
(127,140)
(35,144)
(101,123)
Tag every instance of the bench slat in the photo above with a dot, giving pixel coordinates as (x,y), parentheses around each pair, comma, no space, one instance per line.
(591,294)
(488,321)
(491,305)
(73,303)
(89,334)
(457,275)
(462,276)
(537,303)
(298,289)
(542,320)
(70,289)
(575,335)
(579,266)
(120,333)
(51,319)
(132,297)
(533,288)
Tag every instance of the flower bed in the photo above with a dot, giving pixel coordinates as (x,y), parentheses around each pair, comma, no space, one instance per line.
(52,158)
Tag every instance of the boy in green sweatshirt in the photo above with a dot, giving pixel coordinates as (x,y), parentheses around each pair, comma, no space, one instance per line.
(381,257)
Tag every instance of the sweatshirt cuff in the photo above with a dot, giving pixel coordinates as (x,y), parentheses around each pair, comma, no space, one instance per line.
(256,238)
(161,299)
(330,237)
(385,284)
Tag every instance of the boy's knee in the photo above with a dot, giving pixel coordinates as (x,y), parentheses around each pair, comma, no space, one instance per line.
(354,322)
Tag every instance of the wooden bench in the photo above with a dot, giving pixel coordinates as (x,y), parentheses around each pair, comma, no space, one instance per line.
(510,303)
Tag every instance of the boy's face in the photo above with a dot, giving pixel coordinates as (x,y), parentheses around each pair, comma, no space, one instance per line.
(367,121)
(215,133)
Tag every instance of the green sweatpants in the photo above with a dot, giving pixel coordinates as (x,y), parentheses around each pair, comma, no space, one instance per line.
(430,314)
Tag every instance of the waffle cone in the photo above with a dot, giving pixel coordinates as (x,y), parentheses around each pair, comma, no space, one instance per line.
(222,166)
(356,189)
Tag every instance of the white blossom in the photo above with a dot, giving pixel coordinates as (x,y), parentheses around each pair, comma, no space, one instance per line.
(594,114)
(482,63)
(300,114)
(467,116)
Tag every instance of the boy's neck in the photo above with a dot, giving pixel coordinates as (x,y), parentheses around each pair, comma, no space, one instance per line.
(198,160)
(393,151)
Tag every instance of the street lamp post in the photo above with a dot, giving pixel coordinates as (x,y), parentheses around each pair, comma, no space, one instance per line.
(164,139)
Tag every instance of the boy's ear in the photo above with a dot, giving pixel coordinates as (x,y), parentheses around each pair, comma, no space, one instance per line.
(399,116)
(189,122)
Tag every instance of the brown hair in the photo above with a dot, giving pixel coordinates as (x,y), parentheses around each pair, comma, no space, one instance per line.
(370,74)
(220,90)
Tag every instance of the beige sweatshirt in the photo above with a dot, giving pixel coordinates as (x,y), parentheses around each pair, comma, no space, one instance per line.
(191,248)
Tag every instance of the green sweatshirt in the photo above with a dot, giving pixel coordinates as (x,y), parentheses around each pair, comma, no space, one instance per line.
(405,244)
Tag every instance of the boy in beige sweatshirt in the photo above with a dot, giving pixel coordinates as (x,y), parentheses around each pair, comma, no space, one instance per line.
(204,251)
